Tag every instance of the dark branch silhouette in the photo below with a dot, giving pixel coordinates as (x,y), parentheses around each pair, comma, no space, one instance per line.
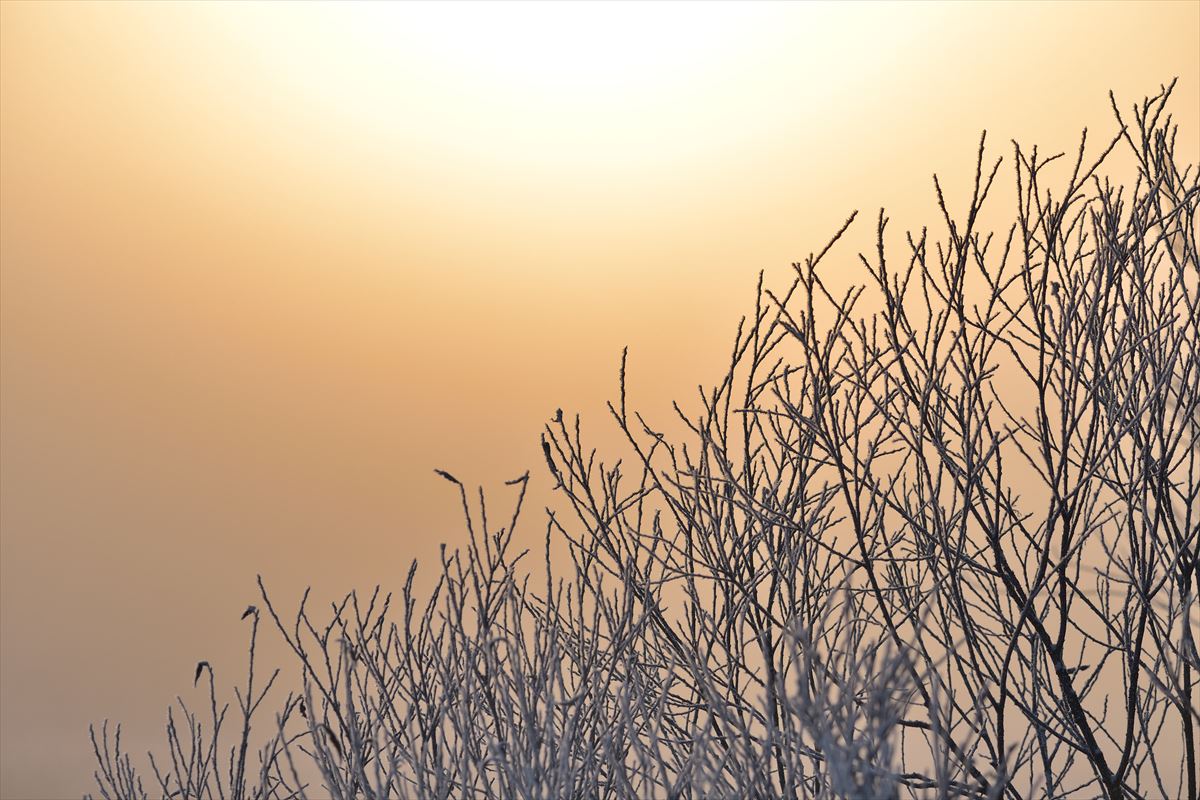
(935,535)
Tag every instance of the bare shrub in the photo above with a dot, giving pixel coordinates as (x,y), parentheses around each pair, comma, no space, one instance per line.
(943,547)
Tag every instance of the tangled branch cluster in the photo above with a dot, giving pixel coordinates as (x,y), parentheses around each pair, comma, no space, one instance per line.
(945,547)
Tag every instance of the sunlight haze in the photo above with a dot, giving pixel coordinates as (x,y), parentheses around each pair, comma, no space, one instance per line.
(266,265)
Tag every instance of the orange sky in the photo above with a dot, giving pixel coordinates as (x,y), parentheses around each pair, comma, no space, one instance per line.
(265,266)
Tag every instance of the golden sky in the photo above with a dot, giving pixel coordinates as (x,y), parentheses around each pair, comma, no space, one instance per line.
(265,266)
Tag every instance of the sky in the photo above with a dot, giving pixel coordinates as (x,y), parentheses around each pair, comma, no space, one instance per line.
(263,267)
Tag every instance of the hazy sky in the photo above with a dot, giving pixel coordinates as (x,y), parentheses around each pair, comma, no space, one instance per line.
(265,266)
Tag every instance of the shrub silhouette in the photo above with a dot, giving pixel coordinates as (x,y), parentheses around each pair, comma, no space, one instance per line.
(945,547)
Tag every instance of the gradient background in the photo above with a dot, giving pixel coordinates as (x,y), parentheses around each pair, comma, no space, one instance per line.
(265,266)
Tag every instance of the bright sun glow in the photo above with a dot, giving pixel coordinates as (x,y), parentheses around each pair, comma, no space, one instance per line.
(569,50)
(563,52)
(537,85)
